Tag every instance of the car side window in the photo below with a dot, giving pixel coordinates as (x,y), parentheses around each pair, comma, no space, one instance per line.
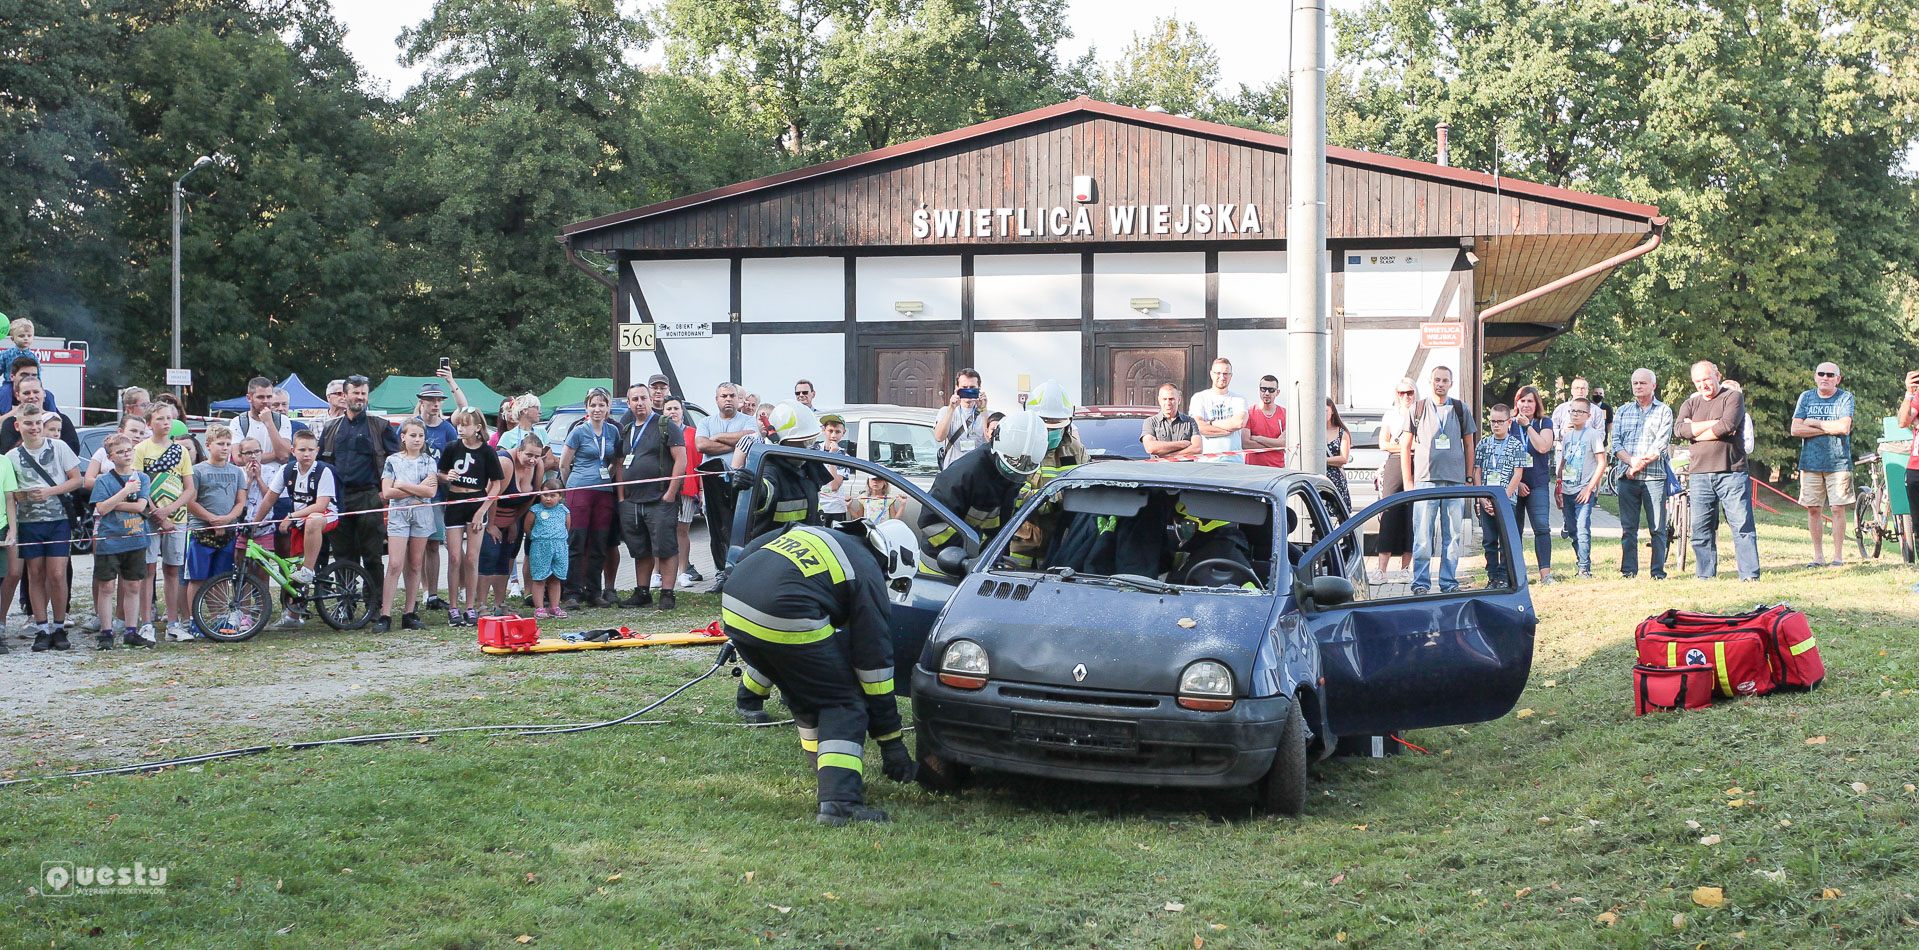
(1305,526)
(904,447)
(1476,563)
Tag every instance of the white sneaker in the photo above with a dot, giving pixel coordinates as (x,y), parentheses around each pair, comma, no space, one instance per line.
(289,621)
(177,633)
(656,580)
(147,634)
(514,588)
(686,580)
(303,576)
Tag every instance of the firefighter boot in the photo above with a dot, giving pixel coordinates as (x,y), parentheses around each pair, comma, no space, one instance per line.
(840,813)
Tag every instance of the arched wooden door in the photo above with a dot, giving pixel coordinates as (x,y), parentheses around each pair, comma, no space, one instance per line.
(912,377)
(1139,372)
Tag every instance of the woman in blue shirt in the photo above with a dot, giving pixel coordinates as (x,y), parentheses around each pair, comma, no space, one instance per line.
(1535,488)
(592,538)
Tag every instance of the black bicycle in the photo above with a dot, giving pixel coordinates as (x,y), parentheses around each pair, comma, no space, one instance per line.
(236,606)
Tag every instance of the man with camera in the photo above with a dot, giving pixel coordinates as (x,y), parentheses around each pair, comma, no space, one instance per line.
(961,426)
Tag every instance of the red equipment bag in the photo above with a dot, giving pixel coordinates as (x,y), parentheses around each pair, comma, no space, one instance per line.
(1671,687)
(1791,648)
(1738,658)
(513,633)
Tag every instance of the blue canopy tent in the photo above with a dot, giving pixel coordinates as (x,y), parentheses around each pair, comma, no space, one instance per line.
(299,397)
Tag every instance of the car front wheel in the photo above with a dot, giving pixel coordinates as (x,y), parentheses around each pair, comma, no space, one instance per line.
(1283,790)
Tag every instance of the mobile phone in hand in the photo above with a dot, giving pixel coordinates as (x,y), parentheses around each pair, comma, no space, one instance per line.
(445,363)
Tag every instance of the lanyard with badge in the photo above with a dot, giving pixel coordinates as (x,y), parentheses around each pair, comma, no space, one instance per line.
(967,443)
(1441,440)
(638,431)
(606,465)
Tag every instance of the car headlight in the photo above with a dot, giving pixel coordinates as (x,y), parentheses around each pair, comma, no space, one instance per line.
(964,665)
(1206,685)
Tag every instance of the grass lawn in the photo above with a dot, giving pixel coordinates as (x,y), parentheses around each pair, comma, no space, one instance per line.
(1569,823)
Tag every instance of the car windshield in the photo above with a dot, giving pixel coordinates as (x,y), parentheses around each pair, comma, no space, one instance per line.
(1111,436)
(905,447)
(1187,536)
(1365,428)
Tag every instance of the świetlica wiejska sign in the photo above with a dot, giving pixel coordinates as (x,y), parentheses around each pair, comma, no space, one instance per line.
(1063,221)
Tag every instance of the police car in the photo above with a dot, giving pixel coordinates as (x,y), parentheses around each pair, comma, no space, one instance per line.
(1200,625)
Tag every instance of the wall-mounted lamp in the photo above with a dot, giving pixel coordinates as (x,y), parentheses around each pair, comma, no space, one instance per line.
(1145,304)
(909,306)
(1472,259)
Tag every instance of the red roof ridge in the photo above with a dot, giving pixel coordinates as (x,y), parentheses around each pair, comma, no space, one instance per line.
(1600,203)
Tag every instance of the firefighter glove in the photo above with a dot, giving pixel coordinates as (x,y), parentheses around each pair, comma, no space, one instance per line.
(896,762)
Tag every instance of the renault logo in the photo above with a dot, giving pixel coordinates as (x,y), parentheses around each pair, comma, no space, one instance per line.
(1079,673)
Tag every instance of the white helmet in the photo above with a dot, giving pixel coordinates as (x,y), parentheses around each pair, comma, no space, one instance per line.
(1020,443)
(898,548)
(1049,399)
(794,423)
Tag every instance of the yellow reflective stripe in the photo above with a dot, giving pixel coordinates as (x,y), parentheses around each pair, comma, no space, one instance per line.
(1803,645)
(785,516)
(771,635)
(810,745)
(1022,560)
(982,523)
(942,536)
(810,554)
(1719,661)
(878,689)
(1209,525)
(1672,653)
(887,738)
(840,760)
(753,684)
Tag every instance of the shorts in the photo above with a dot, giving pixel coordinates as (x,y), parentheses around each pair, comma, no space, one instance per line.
(546,559)
(496,557)
(1825,489)
(297,538)
(414,521)
(126,566)
(689,509)
(649,528)
(459,514)
(168,547)
(4,559)
(439,523)
(55,534)
(205,563)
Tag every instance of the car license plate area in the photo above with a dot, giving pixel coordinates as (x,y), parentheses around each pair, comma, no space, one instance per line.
(1103,735)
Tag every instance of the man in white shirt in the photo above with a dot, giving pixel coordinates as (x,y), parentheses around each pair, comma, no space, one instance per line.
(1221,414)
(273,430)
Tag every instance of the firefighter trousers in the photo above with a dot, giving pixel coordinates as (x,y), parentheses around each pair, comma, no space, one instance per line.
(817,682)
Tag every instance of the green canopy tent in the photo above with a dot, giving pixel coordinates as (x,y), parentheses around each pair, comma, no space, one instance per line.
(572,391)
(396,395)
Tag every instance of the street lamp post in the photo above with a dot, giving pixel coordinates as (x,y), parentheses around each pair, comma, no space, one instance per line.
(199,163)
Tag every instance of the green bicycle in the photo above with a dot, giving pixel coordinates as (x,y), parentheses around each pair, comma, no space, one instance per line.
(237,605)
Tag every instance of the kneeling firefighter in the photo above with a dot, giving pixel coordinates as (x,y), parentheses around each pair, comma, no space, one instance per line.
(983,486)
(808,608)
(789,495)
(1063,452)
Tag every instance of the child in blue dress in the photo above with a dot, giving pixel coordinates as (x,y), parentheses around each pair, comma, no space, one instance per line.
(546,549)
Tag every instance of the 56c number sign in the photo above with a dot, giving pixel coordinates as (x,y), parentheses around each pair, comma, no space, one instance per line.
(636,337)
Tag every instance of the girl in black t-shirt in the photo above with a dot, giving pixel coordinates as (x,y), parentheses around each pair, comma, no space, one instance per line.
(470,470)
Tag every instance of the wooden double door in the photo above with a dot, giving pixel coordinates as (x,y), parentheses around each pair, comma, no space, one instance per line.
(1130,366)
(908,372)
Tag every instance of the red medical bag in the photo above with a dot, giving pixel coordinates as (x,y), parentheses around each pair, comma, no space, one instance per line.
(512,633)
(1738,658)
(1671,687)
(1791,649)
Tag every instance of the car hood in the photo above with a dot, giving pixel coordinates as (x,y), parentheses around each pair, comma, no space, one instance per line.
(1040,630)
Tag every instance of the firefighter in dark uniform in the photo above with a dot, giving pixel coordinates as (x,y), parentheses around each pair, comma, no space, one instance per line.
(983,486)
(789,495)
(1064,452)
(808,607)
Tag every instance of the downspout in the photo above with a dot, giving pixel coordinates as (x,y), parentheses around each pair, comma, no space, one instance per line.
(588,269)
(1658,234)
(620,372)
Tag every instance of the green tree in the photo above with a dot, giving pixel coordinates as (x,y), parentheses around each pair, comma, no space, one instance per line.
(1170,66)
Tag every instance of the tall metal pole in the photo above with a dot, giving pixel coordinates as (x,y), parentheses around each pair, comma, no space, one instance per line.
(1307,338)
(176,274)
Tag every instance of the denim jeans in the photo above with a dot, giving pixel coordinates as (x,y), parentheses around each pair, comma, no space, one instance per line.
(1712,493)
(1490,535)
(1579,517)
(1443,515)
(1636,496)
(1537,508)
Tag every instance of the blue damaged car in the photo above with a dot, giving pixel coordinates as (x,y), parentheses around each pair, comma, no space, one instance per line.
(1196,625)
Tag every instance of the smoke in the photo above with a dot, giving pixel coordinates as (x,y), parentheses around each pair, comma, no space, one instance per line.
(57,309)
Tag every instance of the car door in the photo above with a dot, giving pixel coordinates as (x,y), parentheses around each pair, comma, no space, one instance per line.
(913,620)
(1394,659)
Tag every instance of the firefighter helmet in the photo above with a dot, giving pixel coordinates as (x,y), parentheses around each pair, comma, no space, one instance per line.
(793,424)
(1050,400)
(1020,443)
(897,546)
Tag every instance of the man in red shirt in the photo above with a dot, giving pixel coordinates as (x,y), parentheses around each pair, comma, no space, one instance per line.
(1266,426)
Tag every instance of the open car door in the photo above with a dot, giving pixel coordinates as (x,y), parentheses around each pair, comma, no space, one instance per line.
(1394,659)
(913,620)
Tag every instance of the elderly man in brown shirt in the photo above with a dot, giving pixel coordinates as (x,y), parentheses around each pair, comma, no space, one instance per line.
(1714,420)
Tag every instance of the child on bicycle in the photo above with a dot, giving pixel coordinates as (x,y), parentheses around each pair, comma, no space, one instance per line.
(546,549)
(120,504)
(219,499)
(408,483)
(310,483)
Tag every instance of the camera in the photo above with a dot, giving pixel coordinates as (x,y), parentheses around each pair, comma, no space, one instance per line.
(969,392)
(446,363)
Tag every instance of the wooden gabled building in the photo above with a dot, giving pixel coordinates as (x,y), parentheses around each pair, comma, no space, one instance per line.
(1108,247)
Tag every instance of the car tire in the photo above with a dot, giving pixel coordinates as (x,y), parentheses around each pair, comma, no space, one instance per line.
(941,775)
(1283,790)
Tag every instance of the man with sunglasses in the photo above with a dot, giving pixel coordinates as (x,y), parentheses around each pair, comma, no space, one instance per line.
(1266,426)
(356,445)
(803,391)
(1823,423)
